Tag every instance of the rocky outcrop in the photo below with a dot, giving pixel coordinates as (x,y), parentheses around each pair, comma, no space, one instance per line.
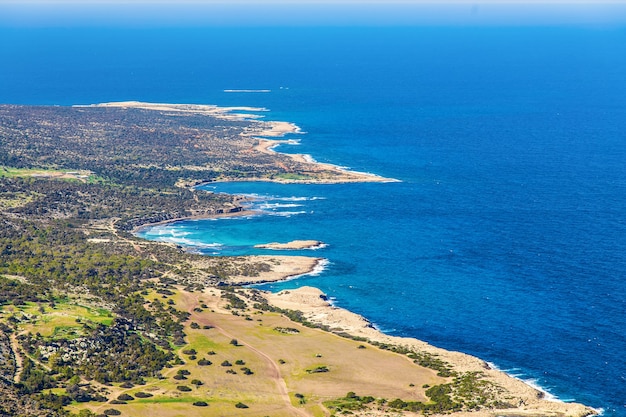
(293,245)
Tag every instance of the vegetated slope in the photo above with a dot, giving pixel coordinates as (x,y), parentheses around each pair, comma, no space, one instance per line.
(91,315)
(135,146)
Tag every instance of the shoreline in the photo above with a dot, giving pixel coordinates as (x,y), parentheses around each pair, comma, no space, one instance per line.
(208,109)
(240,213)
(313,303)
(530,400)
(288,268)
(328,173)
(316,307)
(346,175)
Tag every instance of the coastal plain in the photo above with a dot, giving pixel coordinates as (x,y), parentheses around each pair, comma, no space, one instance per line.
(96,321)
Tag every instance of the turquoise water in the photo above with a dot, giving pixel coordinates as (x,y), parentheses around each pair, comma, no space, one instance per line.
(506,237)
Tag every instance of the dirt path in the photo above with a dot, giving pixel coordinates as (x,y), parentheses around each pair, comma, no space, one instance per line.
(192,301)
(17,356)
(110,227)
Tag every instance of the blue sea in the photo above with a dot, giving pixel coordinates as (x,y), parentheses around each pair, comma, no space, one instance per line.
(506,235)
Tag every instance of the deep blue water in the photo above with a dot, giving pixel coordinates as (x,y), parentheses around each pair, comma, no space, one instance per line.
(505,239)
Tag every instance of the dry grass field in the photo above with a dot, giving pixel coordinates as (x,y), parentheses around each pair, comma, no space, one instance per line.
(241,357)
(269,369)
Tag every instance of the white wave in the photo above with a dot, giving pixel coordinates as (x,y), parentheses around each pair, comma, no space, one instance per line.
(178,233)
(158,230)
(277,205)
(247,91)
(547,395)
(321,266)
(309,159)
(518,373)
(285,213)
(320,246)
(294,198)
(190,243)
(317,270)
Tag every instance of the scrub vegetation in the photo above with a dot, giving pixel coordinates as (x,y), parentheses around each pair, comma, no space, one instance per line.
(95,321)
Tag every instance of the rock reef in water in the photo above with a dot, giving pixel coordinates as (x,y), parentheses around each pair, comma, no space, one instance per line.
(293,245)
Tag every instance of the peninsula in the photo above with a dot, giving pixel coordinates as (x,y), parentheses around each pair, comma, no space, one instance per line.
(95,321)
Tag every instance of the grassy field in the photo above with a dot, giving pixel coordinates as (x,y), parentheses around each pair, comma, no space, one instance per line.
(280,355)
(84,176)
(64,319)
(244,358)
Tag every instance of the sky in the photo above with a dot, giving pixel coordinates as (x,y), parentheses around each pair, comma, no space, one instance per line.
(64,13)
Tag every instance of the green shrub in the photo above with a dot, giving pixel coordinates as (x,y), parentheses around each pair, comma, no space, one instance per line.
(318,369)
